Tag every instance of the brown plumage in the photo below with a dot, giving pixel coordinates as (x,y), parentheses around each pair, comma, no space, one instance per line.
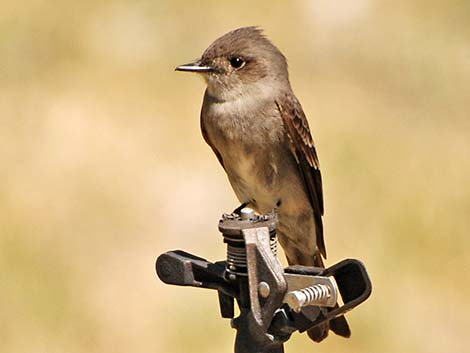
(305,154)
(257,129)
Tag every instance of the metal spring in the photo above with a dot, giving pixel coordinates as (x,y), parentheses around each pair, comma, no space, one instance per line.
(313,295)
(236,256)
(273,243)
(316,293)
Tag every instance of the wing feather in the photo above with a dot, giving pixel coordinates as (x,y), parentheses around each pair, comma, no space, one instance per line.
(208,141)
(303,149)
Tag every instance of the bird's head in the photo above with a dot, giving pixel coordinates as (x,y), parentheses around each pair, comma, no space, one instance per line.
(241,62)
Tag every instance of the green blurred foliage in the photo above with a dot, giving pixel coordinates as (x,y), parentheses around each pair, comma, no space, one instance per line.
(103,167)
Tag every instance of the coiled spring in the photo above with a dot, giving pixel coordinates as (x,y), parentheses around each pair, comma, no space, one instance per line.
(236,255)
(313,295)
(236,258)
(316,293)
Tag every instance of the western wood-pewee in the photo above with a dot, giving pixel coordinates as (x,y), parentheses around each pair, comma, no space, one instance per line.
(257,129)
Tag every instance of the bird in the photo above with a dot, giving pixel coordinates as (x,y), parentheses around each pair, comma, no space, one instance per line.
(256,127)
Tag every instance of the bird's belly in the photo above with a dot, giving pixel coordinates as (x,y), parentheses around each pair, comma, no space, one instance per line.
(254,180)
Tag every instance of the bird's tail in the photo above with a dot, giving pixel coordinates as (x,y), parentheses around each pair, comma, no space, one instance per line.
(338,325)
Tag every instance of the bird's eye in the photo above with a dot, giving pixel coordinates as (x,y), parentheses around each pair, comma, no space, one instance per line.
(237,62)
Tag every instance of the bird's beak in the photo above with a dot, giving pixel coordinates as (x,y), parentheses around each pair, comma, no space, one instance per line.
(194,67)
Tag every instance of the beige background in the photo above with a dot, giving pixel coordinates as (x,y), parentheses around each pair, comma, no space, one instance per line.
(102,167)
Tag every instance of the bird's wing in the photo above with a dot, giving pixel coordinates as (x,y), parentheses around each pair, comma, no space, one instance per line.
(303,149)
(205,135)
(208,141)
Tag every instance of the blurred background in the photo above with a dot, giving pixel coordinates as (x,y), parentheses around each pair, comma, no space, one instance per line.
(102,168)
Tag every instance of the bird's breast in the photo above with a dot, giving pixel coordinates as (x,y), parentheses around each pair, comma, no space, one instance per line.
(253,165)
(249,136)
(253,176)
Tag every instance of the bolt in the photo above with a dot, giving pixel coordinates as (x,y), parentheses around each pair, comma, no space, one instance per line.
(263,289)
(247,213)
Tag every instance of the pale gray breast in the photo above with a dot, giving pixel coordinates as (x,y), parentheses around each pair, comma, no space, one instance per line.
(249,135)
(251,120)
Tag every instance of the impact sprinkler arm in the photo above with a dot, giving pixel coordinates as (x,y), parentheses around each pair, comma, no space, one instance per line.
(273,302)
